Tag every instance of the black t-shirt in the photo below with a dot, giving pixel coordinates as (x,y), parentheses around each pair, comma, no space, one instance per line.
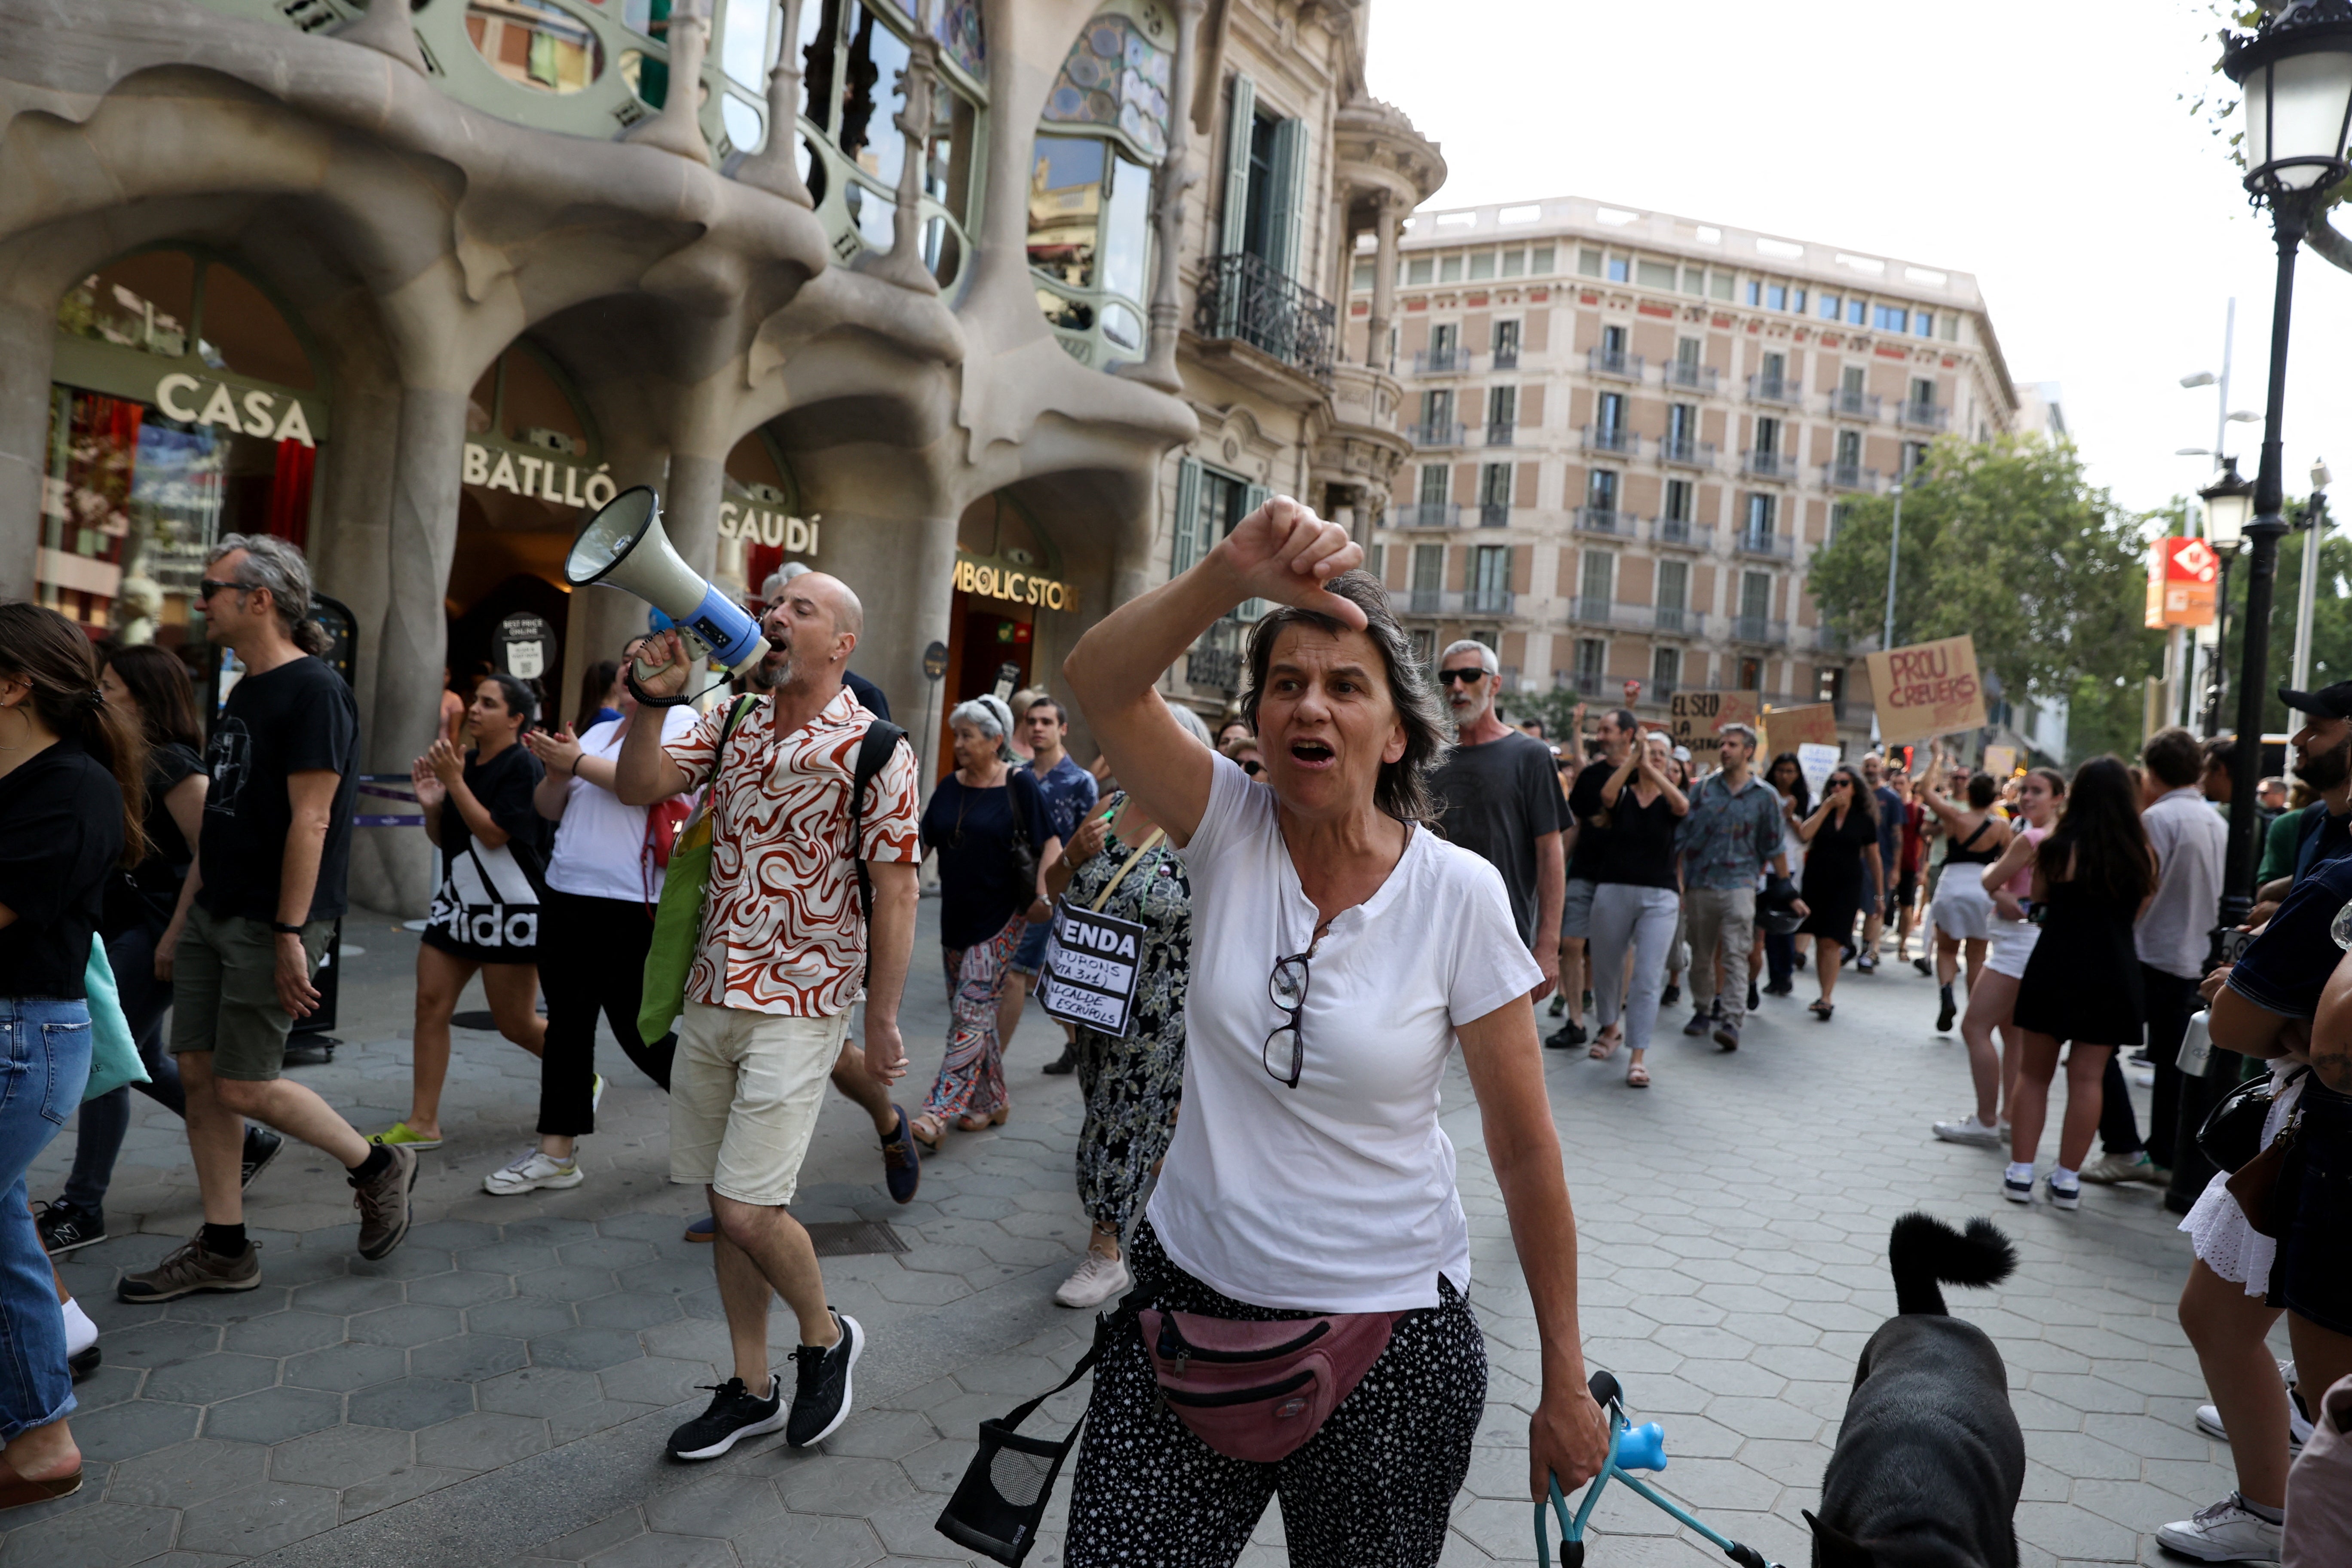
(2285,968)
(1500,797)
(1638,846)
(298,718)
(61,836)
(148,893)
(504,786)
(1583,806)
(869,696)
(972,830)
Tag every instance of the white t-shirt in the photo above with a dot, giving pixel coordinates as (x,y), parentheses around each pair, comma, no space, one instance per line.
(1336,1195)
(599,843)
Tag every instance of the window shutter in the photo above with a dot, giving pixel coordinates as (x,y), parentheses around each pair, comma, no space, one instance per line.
(1286,203)
(1188,518)
(1243,119)
(1253,498)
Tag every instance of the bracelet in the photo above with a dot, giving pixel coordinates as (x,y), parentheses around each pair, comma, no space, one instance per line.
(282,929)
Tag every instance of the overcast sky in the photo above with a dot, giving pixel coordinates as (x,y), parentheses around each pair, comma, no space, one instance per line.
(2046,148)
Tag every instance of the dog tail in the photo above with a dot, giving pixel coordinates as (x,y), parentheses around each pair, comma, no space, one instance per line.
(1924,1252)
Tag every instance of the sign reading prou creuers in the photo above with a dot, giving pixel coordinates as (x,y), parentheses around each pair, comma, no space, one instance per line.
(996,580)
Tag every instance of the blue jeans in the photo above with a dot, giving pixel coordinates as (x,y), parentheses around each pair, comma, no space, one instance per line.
(44,1067)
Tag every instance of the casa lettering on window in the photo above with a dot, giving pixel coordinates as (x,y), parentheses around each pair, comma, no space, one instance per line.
(250,413)
(543,478)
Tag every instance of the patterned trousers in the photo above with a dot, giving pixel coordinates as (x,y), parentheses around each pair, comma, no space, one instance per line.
(1132,1087)
(971,1074)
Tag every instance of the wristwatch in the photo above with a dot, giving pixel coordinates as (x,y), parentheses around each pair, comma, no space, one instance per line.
(282,929)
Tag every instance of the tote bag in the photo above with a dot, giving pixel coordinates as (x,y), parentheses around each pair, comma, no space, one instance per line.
(677,919)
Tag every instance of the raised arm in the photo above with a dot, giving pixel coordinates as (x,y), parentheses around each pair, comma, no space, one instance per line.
(1614,785)
(2015,857)
(1281,552)
(644,773)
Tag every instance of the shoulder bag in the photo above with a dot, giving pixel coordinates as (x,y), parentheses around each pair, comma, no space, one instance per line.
(2233,1133)
(677,919)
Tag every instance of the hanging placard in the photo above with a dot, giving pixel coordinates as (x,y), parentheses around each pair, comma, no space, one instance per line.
(1091,967)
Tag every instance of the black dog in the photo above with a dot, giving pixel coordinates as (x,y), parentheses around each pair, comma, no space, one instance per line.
(1929,1460)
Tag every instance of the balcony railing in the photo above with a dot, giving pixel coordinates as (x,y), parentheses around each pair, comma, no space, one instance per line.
(1423,602)
(1604,520)
(1499,432)
(1245,300)
(1675,621)
(1852,403)
(1768,466)
(1682,533)
(1612,438)
(1218,667)
(1507,356)
(1781,389)
(1613,362)
(1683,452)
(1591,611)
(1441,361)
(1425,514)
(1439,435)
(1764,541)
(1487,601)
(1828,639)
(1924,415)
(1849,477)
(1758,629)
(1691,377)
(1493,514)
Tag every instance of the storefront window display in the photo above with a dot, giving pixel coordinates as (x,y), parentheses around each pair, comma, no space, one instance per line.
(184,407)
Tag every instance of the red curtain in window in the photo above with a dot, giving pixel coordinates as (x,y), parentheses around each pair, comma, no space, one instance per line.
(289,492)
(758,559)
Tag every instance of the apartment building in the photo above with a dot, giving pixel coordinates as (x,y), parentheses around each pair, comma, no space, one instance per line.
(1631,432)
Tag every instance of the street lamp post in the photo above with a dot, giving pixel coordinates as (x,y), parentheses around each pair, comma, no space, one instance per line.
(2228,502)
(1893,553)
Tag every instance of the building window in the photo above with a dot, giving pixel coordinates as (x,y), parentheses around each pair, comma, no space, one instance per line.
(1619,270)
(1449,269)
(1837,521)
(1755,291)
(1914,456)
(1502,407)
(1490,579)
(1514,263)
(1424,645)
(1494,486)
(1612,343)
(1849,449)
(1361,278)
(1437,411)
(1421,270)
(1678,501)
(1923,392)
(1752,673)
(1540,262)
(1718,284)
(1892,319)
(1600,489)
(1609,416)
(1599,585)
(1797,301)
(1695,281)
(1436,478)
(1443,338)
(1951,324)
(1506,344)
(1090,237)
(1682,427)
(1924,323)
(1767,437)
(1829,686)
(1857,312)
(1761,517)
(1591,664)
(1482,265)
(1376,560)
(1755,597)
(1666,669)
(1829,306)
(1776,297)
(1428,576)
(1656,274)
(1674,585)
(1850,384)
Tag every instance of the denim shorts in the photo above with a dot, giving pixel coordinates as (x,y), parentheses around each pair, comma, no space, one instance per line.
(1576,910)
(1029,956)
(2314,1274)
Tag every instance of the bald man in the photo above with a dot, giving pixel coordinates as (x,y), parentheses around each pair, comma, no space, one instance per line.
(782,951)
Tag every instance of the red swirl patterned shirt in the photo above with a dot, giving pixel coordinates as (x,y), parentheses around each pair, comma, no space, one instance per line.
(781,930)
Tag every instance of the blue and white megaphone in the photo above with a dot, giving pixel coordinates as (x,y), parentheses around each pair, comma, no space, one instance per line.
(622,546)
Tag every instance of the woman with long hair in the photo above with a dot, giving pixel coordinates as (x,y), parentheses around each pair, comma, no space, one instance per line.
(601,690)
(1962,912)
(1636,895)
(146,909)
(1787,777)
(73,801)
(1841,842)
(1993,997)
(2092,876)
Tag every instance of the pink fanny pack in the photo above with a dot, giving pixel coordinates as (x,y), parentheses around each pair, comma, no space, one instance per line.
(1260,1390)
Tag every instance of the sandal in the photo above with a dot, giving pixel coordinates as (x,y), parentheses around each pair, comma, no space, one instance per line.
(1604,1045)
(981,1121)
(1637,1076)
(1821,1010)
(927,1129)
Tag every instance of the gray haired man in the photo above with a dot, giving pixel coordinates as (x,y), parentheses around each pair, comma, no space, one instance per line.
(1732,833)
(1502,800)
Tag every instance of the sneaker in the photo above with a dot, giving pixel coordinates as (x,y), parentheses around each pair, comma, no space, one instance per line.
(902,1168)
(1754,1001)
(2227,1532)
(1781,988)
(83,1362)
(1096,1280)
(1568,1034)
(734,1414)
(1061,1066)
(399,1136)
(261,1146)
(1558,1002)
(2109,1169)
(2061,1197)
(1666,998)
(1946,1011)
(2298,1425)
(705,1229)
(190,1270)
(1925,969)
(531,1170)
(2015,1191)
(1698,1023)
(383,1203)
(1866,965)
(1968,1130)
(1727,1035)
(64,1227)
(820,1402)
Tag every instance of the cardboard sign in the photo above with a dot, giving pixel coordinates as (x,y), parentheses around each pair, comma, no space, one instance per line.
(1814,724)
(2182,575)
(1693,717)
(2000,761)
(1090,971)
(1928,688)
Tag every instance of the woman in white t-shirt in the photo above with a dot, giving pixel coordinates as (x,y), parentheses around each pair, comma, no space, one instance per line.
(595,922)
(1340,952)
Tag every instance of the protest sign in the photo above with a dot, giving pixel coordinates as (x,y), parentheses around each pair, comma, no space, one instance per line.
(1814,724)
(2000,761)
(1817,763)
(1928,688)
(1693,717)
(1090,971)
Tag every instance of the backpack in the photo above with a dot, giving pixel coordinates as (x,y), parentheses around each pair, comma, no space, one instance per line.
(882,737)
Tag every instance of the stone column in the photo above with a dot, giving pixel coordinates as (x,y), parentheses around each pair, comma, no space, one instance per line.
(903,571)
(775,167)
(1343,265)
(28,348)
(1168,186)
(1384,266)
(678,127)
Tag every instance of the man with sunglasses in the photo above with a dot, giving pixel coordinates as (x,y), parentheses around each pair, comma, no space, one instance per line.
(1502,802)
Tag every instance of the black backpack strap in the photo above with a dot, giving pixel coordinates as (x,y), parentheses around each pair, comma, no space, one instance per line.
(882,737)
(1106,1325)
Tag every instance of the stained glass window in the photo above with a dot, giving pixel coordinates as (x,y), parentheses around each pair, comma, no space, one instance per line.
(1115,77)
(958,30)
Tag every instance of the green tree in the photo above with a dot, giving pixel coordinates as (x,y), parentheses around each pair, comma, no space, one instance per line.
(2005,540)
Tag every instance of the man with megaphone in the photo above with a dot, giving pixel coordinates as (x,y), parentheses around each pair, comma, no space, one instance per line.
(782,951)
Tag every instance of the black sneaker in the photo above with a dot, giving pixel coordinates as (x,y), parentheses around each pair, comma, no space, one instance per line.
(1067,1062)
(821,1403)
(83,1362)
(64,1227)
(1754,1001)
(1923,966)
(734,1414)
(902,1168)
(1946,1013)
(1699,1021)
(1671,995)
(261,1146)
(1568,1035)
(1558,1002)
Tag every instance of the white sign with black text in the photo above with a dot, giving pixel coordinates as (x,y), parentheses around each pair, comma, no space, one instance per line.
(1090,972)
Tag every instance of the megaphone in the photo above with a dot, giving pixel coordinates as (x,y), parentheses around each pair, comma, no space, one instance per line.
(1642,1447)
(622,546)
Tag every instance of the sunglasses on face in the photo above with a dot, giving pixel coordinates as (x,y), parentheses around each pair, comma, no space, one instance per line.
(1467,677)
(210,585)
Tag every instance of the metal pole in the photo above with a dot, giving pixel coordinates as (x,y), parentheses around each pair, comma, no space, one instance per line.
(2218,693)
(2221,417)
(1893,554)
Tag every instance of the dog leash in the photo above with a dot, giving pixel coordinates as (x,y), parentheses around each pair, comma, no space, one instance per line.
(1642,1447)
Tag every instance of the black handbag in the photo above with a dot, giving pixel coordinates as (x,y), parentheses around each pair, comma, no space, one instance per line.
(2233,1133)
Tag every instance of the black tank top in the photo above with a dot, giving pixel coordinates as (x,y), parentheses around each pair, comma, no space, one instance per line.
(1961,855)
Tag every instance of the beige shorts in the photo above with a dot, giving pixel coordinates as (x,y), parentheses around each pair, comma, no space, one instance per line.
(744,1094)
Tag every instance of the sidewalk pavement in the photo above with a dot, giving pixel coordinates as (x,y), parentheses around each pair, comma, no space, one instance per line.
(498,1391)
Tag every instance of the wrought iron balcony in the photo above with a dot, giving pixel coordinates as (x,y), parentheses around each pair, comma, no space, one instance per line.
(1852,403)
(1614,363)
(1675,621)
(1691,377)
(1604,520)
(1849,477)
(1438,435)
(1764,541)
(1500,431)
(1507,356)
(1782,389)
(1829,639)
(1245,300)
(1924,415)
(1682,533)
(1441,361)
(1683,452)
(1768,466)
(1217,667)
(1493,514)
(1425,514)
(1758,630)
(1612,438)
(1423,602)
(1487,601)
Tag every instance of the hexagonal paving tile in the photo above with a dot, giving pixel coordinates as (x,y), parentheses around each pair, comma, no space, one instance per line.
(187,1473)
(101,1535)
(468,1358)
(205,1379)
(343,1367)
(411,1402)
(538,1391)
(481,1441)
(259,1519)
(274,1414)
(341,1456)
